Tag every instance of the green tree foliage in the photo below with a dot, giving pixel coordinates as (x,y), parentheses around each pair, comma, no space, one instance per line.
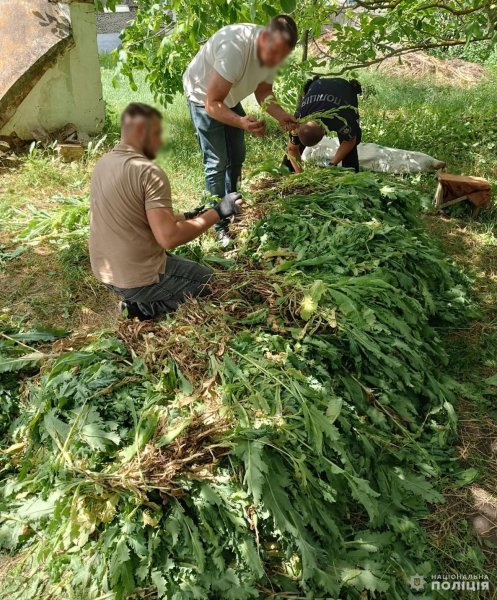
(377,29)
(166,33)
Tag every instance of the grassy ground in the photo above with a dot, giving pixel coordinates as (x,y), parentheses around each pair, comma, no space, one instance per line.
(453,124)
(49,283)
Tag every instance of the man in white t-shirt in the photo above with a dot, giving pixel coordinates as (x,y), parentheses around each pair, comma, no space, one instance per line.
(235,62)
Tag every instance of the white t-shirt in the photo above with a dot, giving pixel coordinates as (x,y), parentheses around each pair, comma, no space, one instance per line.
(232,52)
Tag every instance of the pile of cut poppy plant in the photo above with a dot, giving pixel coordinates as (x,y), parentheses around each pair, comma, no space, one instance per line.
(283,438)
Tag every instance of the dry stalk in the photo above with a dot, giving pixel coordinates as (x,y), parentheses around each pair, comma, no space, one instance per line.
(192,455)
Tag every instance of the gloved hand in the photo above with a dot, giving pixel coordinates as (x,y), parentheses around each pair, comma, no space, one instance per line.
(191,214)
(228,206)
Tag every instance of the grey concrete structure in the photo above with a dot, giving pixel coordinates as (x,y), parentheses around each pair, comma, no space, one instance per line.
(49,68)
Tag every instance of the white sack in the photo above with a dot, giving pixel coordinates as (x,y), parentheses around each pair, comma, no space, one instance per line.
(376,158)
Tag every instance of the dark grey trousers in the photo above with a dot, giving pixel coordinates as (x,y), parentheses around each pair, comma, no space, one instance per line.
(182,278)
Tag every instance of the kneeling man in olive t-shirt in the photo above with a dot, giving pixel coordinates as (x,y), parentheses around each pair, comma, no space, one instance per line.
(132,223)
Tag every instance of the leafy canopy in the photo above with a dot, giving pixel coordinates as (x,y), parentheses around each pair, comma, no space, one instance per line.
(167,33)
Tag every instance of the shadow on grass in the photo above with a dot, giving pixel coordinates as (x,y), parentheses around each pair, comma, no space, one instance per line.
(472,358)
(52,287)
(474,245)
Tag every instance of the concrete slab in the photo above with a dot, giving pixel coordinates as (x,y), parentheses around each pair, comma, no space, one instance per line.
(34,34)
(114,22)
(53,74)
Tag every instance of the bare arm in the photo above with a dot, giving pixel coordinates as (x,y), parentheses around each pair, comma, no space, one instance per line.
(265,97)
(217,90)
(171,232)
(344,150)
(293,153)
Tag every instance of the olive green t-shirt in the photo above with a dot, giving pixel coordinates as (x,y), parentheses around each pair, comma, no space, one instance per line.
(123,249)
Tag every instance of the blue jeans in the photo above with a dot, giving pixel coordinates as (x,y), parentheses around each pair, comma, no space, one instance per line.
(223,151)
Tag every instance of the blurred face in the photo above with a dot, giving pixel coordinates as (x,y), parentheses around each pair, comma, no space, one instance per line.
(144,134)
(272,49)
(152,137)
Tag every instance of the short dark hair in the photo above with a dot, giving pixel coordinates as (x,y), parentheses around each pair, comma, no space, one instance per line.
(287,27)
(138,109)
(309,82)
(311,133)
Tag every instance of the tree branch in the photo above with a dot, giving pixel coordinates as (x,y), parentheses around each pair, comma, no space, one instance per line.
(399,52)
(378,4)
(392,4)
(457,12)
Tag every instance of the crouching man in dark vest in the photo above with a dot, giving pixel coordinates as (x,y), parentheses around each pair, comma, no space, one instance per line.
(321,96)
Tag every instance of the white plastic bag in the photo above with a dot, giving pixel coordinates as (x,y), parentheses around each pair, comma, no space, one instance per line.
(374,157)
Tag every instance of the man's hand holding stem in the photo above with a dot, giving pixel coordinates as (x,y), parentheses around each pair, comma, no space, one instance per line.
(253,126)
(219,88)
(265,97)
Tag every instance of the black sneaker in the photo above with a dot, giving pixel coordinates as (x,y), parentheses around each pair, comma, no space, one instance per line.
(130,310)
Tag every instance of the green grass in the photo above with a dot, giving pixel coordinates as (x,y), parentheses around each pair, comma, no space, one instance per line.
(453,124)
(70,296)
(456,125)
